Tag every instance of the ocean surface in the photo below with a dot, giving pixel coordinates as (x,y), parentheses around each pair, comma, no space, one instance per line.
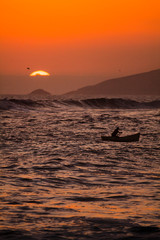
(59,180)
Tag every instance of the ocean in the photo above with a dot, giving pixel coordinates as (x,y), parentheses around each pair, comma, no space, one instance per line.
(59,180)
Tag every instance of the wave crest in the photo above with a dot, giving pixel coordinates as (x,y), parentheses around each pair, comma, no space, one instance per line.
(115,103)
(7,104)
(110,103)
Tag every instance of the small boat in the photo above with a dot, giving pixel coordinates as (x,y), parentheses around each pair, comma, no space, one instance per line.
(129,138)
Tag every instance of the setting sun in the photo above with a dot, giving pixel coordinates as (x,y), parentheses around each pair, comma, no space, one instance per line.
(40,73)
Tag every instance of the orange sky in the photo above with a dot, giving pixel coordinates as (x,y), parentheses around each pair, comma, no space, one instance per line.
(83,37)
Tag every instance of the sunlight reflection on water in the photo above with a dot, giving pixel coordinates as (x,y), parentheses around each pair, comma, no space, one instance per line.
(55,168)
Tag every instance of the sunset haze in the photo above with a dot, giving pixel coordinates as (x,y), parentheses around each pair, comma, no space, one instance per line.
(79,119)
(81,38)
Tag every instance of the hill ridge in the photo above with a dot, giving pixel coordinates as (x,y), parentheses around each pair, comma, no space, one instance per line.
(39,92)
(147,83)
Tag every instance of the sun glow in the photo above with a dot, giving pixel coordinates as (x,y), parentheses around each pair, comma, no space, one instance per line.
(40,73)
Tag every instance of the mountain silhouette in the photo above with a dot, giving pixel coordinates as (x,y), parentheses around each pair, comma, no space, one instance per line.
(147,83)
(39,92)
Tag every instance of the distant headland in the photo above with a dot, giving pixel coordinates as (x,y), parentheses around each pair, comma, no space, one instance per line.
(147,83)
(40,93)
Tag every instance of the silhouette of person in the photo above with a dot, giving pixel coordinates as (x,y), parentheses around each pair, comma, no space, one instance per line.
(115,132)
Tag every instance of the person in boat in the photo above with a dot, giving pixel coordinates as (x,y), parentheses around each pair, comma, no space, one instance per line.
(116,132)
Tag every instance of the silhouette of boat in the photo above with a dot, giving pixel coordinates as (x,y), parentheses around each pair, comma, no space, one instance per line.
(129,138)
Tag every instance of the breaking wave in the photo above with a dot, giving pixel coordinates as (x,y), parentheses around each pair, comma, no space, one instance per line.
(7,104)
(111,103)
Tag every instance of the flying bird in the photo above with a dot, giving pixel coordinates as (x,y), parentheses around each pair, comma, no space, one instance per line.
(28,68)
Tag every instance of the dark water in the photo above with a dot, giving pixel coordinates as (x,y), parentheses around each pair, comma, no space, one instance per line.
(59,180)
